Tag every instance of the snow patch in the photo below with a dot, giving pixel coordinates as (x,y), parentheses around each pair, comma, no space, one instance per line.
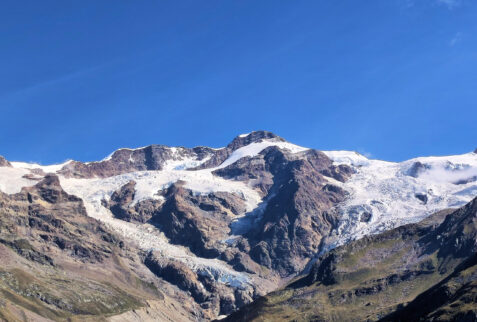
(12,181)
(254,149)
(347,157)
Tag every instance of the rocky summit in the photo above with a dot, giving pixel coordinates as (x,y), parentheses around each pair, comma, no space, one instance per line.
(185,234)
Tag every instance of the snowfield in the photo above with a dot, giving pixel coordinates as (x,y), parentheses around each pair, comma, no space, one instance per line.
(44,168)
(12,180)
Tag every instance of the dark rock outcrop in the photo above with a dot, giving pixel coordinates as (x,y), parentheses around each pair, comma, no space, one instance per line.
(214,298)
(152,157)
(4,162)
(121,205)
(57,219)
(253,137)
(178,274)
(366,216)
(466,181)
(26,250)
(422,196)
(197,221)
(417,168)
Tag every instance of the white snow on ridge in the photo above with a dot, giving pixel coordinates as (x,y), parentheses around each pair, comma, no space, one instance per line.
(12,179)
(45,168)
(351,158)
(254,149)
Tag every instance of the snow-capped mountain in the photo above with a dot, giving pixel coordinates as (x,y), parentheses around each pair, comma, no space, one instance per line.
(239,221)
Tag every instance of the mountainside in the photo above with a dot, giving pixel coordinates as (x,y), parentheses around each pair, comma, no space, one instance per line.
(202,229)
(424,271)
(57,263)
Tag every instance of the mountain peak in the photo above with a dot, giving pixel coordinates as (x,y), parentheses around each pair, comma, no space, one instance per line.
(253,137)
(238,142)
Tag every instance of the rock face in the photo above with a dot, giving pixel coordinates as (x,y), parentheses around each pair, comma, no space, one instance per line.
(158,157)
(45,210)
(296,212)
(197,221)
(153,157)
(424,271)
(214,298)
(4,162)
(57,262)
(120,202)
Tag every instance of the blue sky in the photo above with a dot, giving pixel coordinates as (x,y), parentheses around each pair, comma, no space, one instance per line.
(393,79)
